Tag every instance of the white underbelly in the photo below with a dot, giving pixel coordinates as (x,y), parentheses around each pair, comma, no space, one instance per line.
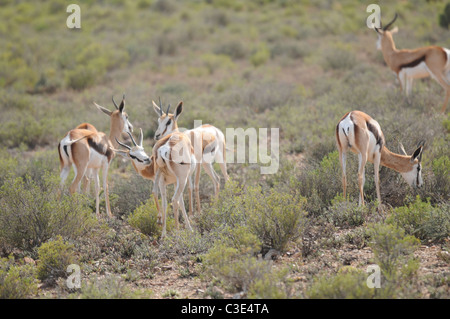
(96,160)
(417,72)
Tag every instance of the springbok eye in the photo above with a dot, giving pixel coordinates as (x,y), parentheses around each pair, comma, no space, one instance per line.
(168,122)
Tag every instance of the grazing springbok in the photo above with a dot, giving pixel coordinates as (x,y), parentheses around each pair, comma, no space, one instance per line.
(208,143)
(361,134)
(172,162)
(413,64)
(88,150)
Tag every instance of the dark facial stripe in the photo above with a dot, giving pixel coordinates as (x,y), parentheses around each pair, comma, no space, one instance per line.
(418,174)
(137,159)
(413,63)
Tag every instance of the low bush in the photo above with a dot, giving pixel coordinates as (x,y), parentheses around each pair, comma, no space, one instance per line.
(321,183)
(54,257)
(110,287)
(31,212)
(237,269)
(274,217)
(422,220)
(344,285)
(340,57)
(346,214)
(393,253)
(145,219)
(16,281)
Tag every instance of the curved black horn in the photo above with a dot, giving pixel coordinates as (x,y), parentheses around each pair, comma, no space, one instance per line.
(132,139)
(390,23)
(167,112)
(124,145)
(160,107)
(115,104)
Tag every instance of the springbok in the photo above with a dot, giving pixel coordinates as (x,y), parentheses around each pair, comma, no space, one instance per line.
(208,143)
(172,162)
(413,64)
(87,150)
(361,134)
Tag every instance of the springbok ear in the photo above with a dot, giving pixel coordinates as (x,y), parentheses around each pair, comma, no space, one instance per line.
(417,154)
(104,110)
(122,105)
(394,30)
(156,108)
(179,110)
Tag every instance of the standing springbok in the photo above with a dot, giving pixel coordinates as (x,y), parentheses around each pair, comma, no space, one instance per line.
(208,143)
(172,162)
(87,150)
(361,134)
(413,64)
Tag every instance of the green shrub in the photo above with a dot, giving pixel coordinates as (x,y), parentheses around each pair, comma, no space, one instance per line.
(145,219)
(441,171)
(344,285)
(213,62)
(321,183)
(393,253)
(233,48)
(238,270)
(31,212)
(273,216)
(54,257)
(339,57)
(422,220)
(343,213)
(260,56)
(277,218)
(16,281)
(185,243)
(80,78)
(271,285)
(110,287)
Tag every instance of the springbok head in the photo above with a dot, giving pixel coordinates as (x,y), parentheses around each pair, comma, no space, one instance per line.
(414,175)
(135,153)
(119,118)
(384,33)
(167,122)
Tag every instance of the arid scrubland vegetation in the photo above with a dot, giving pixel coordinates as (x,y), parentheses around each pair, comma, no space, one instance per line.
(294,65)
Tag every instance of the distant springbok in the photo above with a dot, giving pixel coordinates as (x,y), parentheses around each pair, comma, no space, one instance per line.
(413,64)
(88,150)
(208,143)
(361,134)
(172,162)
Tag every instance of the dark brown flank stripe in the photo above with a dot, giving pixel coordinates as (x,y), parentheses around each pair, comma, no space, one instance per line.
(413,63)
(100,148)
(375,132)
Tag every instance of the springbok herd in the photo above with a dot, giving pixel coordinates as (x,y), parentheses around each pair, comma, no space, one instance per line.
(177,155)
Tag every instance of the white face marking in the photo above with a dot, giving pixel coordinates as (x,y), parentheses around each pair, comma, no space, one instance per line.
(127,127)
(414,176)
(165,127)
